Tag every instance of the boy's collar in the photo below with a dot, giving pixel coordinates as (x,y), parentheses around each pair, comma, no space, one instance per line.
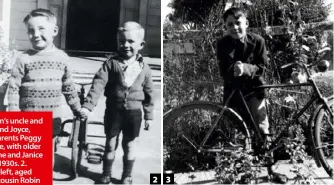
(128,61)
(42,52)
(52,49)
(242,40)
(139,58)
(245,39)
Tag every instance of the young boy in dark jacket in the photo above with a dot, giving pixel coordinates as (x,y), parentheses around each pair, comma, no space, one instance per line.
(127,83)
(242,57)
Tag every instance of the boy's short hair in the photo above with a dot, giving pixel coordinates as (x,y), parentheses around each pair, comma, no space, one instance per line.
(132,26)
(236,12)
(43,13)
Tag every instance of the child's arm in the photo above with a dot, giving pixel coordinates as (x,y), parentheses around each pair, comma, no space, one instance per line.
(14,85)
(260,59)
(148,101)
(69,91)
(99,82)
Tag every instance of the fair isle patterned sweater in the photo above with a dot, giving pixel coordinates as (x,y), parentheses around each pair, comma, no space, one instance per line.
(39,80)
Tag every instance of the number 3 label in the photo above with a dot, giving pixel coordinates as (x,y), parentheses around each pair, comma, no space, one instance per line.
(168,178)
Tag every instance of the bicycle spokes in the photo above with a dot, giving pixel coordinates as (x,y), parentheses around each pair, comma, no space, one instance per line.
(326,134)
(185,131)
(324,139)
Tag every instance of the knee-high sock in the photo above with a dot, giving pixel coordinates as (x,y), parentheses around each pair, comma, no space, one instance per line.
(107,166)
(127,167)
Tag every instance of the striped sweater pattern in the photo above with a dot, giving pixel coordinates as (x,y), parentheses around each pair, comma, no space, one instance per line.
(39,80)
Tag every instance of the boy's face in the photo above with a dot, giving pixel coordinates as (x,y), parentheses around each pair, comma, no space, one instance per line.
(41,32)
(236,27)
(129,43)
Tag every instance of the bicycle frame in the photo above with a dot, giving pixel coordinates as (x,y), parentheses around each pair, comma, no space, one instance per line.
(317,96)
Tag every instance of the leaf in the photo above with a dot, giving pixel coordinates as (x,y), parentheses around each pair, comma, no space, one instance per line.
(323,50)
(304,58)
(247,2)
(289,99)
(306,48)
(312,38)
(293,3)
(228,4)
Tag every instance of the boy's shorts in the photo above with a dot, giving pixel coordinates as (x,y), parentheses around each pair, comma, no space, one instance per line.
(127,121)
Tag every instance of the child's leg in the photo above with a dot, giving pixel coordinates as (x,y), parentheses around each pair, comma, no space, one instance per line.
(129,148)
(131,129)
(259,113)
(112,128)
(109,154)
(258,110)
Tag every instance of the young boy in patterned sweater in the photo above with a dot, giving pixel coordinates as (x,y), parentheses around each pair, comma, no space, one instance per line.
(40,76)
(127,84)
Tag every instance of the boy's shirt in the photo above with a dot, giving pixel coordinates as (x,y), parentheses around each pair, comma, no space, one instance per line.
(112,79)
(251,51)
(131,70)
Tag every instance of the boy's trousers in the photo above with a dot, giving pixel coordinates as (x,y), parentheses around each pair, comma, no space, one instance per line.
(257,108)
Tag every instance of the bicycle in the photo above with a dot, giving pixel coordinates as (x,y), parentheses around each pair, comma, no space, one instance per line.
(78,137)
(220,129)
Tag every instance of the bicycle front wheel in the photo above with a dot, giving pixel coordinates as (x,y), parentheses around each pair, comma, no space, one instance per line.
(185,128)
(324,137)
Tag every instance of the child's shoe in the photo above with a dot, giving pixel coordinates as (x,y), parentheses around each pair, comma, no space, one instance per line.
(127,170)
(106,175)
(105,179)
(127,180)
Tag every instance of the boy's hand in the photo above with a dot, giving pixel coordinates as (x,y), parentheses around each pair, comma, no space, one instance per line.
(147,124)
(84,112)
(238,69)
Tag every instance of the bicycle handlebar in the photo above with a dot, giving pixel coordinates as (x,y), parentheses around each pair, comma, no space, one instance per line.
(83,84)
(323,52)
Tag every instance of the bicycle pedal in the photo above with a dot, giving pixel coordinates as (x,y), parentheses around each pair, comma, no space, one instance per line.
(94,159)
(69,144)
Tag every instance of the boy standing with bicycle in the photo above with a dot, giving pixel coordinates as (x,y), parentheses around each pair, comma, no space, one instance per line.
(242,58)
(127,84)
(40,76)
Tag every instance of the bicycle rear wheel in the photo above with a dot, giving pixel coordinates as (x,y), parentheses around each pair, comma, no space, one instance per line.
(324,138)
(186,126)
